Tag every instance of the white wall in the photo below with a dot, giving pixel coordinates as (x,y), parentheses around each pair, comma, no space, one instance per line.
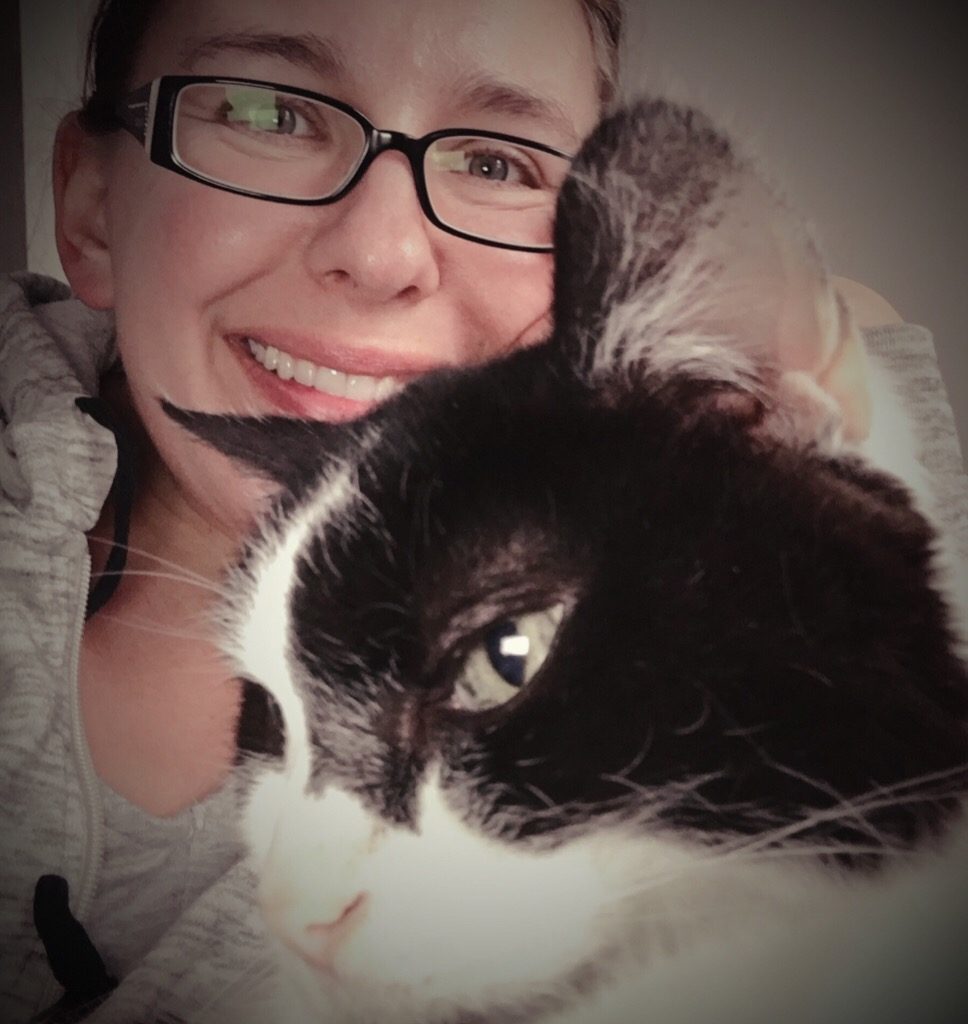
(859,107)
(52,37)
(861,110)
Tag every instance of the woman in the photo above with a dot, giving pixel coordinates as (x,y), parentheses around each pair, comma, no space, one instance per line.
(119,731)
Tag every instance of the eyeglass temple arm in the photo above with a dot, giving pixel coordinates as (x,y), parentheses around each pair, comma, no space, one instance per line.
(132,112)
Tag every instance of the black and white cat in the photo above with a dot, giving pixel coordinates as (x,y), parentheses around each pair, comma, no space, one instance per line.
(605,680)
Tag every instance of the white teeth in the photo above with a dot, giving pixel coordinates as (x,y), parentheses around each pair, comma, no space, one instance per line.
(359,387)
(305,371)
(332,382)
(285,366)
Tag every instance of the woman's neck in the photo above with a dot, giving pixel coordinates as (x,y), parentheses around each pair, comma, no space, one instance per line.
(159,700)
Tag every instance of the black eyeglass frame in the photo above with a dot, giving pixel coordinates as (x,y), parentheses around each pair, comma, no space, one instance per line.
(150,111)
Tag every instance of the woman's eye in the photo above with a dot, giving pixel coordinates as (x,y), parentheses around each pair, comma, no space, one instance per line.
(507,658)
(469,159)
(489,166)
(275,120)
(286,121)
(489,169)
(261,111)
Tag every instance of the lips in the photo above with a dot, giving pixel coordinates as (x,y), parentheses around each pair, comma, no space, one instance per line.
(327,379)
(338,384)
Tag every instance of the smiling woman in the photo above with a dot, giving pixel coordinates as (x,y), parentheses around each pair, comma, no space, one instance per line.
(397,297)
(429,140)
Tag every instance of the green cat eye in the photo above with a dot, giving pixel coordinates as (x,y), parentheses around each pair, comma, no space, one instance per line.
(507,659)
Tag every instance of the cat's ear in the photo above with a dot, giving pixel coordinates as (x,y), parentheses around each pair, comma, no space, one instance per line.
(677,261)
(276,448)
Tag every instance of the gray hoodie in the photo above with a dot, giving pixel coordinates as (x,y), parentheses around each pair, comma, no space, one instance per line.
(196,929)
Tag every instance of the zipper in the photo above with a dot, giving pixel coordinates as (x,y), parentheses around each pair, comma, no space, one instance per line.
(87,777)
(93,852)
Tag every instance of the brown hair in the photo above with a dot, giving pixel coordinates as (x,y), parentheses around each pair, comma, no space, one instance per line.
(113,44)
(119,27)
(605,22)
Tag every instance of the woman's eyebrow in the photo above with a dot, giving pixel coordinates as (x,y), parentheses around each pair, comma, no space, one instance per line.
(478,92)
(493,95)
(305,50)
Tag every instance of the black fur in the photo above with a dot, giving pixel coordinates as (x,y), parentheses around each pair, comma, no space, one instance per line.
(754,637)
(788,592)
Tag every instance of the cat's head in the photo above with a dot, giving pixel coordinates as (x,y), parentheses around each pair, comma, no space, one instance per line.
(587,650)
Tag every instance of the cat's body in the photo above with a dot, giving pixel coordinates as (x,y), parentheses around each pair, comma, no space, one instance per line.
(731,696)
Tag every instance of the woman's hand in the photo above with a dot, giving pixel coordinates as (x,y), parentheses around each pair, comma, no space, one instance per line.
(844,375)
(867,307)
(841,371)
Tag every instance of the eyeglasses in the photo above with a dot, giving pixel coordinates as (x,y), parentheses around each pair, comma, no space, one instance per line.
(289,145)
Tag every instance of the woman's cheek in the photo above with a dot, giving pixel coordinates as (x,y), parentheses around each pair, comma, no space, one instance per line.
(179,237)
(516,294)
(205,244)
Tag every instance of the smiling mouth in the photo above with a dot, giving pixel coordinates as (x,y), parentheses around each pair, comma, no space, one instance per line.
(355,386)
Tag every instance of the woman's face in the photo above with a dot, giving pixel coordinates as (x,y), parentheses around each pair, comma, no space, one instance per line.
(366,286)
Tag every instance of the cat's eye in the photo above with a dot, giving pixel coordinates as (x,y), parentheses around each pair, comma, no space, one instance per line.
(507,658)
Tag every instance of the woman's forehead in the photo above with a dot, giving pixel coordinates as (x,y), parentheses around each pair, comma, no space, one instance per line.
(527,60)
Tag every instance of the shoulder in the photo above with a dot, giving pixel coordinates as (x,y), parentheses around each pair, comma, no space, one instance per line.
(869,308)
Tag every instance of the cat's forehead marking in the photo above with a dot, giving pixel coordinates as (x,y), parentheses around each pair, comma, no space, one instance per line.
(258,632)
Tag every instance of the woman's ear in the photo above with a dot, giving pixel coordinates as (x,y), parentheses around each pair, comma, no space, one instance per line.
(80,191)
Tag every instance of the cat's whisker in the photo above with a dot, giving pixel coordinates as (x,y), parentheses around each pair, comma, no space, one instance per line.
(809,780)
(957,772)
(770,840)
(640,756)
(704,714)
(746,731)
(208,585)
(884,796)
(635,788)
(150,627)
(844,808)
(767,847)
(543,797)
(830,850)
(182,570)
(649,882)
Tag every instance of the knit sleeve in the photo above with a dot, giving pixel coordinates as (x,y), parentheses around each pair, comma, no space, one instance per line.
(907,352)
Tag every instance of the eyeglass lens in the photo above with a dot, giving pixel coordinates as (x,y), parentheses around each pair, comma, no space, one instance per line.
(283,145)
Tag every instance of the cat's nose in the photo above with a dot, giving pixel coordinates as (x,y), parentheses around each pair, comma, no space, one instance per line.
(317,937)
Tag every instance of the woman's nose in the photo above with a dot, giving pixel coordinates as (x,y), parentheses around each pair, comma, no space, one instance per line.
(376,240)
